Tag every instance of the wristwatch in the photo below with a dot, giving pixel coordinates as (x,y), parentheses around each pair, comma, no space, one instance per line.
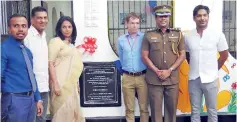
(171,69)
(40,101)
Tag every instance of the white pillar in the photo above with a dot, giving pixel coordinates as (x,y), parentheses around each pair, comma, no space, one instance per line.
(88,13)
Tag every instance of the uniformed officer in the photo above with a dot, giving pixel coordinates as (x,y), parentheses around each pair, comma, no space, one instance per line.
(163,52)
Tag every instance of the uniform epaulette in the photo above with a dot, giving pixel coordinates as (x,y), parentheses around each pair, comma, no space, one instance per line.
(175,29)
(150,29)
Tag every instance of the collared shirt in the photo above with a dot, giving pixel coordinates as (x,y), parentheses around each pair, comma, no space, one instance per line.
(14,74)
(160,46)
(129,50)
(38,46)
(203,53)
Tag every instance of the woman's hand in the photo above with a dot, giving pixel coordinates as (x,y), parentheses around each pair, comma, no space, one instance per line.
(56,89)
(78,88)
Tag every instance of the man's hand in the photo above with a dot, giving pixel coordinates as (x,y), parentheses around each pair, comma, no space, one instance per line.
(164,74)
(39,108)
(158,72)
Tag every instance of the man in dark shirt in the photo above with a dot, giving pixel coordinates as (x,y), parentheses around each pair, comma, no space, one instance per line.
(20,95)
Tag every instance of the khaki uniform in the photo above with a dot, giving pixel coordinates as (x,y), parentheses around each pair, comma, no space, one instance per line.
(163,52)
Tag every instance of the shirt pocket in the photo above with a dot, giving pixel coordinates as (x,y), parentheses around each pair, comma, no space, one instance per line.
(155,45)
(173,44)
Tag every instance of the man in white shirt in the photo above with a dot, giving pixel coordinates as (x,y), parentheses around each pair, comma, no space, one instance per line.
(36,42)
(203,45)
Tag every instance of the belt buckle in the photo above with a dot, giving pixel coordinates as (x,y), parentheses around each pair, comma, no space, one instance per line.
(28,93)
(131,73)
(140,73)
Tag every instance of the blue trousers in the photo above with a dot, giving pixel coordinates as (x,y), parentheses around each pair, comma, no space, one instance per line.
(17,108)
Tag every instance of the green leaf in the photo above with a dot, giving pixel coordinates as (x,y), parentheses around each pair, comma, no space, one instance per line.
(202,109)
(229,108)
(233,94)
(233,109)
(233,97)
(234,102)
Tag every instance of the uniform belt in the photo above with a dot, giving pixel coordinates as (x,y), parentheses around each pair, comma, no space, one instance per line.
(134,73)
(22,93)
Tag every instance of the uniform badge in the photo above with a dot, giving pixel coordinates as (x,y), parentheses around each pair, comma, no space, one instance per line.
(173,37)
(154,38)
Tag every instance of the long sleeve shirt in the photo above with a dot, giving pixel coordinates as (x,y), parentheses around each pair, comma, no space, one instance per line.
(14,73)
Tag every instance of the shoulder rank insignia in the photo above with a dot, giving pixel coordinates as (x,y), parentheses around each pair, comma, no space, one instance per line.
(175,29)
(150,29)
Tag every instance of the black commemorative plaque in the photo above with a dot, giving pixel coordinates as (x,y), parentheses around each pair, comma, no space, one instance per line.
(100,85)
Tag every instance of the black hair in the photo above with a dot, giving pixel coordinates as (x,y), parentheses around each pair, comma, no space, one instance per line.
(38,9)
(74,29)
(12,16)
(199,7)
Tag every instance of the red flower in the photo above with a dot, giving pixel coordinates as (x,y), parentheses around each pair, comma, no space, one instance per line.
(89,44)
(234,85)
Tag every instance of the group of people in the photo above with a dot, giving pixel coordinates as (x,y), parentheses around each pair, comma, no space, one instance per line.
(30,68)
(150,64)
